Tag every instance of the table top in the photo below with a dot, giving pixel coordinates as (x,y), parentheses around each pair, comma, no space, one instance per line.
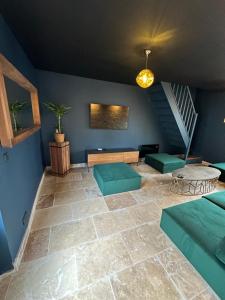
(96,151)
(196,173)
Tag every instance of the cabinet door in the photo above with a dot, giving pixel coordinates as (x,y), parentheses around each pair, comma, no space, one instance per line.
(104,158)
(131,157)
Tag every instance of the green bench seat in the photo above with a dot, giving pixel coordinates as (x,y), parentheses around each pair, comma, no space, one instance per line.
(164,162)
(221,167)
(116,178)
(197,228)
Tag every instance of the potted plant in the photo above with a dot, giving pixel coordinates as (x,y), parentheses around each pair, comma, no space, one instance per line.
(59,110)
(15,108)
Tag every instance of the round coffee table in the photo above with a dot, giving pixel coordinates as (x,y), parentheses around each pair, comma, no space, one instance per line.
(196,180)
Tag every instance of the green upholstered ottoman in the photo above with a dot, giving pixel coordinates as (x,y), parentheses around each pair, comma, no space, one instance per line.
(221,167)
(197,228)
(164,162)
(116,178)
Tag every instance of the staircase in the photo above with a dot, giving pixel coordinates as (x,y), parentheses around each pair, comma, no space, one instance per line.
(177,115)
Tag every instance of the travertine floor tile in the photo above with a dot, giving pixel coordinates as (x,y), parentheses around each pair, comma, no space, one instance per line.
(170,258)
(68,186)
(100,258)
(146,240)
(37,244)
(87,208)
(45,201)
(82,170)
(49,178)
(52,277)
(4,284)
(70,196)
(119,201)
(185,277)
(100,291)
(72,176)
(163,179)
(206,295)
(143,195)
(47,189)
(52,216)
(144,213)
(144,168)
(71,234)
(93,192)
(88,180)
(113,222)
(146,280)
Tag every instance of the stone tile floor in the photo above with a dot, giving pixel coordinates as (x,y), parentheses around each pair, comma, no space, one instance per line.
(85,246)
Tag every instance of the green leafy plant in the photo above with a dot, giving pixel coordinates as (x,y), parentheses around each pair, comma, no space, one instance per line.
(59,110)
(15,108)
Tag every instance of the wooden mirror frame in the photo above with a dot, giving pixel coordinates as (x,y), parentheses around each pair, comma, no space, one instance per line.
(7,138)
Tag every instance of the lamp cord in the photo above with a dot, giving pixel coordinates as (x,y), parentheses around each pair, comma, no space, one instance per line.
(147,52)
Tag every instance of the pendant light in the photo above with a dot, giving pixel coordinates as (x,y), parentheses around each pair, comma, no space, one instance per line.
(145,77)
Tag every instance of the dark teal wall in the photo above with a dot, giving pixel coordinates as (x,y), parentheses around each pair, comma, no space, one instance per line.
(209,138)
(20,174)
(78,92)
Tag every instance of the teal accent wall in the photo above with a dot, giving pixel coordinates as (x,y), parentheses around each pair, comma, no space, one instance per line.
(21,167)
(78,92)
(209,137)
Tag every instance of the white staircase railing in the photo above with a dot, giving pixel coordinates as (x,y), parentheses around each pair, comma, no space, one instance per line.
(180,99)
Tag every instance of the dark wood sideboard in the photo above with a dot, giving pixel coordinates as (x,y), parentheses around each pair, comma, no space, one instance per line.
(126,155)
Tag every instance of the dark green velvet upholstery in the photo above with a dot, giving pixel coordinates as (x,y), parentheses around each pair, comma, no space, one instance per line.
(197,228)
(217,198)
(221,167)
(116,178)
(220,251)
(164,162)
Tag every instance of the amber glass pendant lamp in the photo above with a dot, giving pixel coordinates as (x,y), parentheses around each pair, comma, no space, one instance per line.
(145,77)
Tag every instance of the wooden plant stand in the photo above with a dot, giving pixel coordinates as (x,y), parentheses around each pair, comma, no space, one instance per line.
(60,158)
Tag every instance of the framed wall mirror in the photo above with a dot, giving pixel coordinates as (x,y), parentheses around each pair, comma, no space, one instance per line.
(19,105)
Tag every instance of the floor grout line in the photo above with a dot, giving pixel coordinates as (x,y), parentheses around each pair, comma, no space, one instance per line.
(93,222)
(114,296)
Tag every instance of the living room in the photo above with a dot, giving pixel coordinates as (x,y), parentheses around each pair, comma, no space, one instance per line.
(112,164)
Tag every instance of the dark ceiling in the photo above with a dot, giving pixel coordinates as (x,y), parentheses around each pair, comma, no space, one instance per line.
(105,39)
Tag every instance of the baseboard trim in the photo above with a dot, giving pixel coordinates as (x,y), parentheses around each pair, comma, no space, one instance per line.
(19,256)
(73,166)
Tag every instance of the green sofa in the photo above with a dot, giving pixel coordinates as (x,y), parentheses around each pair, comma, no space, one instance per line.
(116,178)
(197,228)
(221,167)
(164,162)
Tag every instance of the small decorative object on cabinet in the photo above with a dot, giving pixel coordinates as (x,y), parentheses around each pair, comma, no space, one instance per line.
(59,110)
(60,158)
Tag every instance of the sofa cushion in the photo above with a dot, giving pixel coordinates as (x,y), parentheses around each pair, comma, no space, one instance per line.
(220,251)
(217,198)
(220,166)
(197,228)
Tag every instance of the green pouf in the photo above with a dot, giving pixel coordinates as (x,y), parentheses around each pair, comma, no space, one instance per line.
(197,228)
(164,162)
(116,178)
(221,167)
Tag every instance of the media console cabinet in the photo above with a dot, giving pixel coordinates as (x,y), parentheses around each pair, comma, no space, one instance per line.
(126,155)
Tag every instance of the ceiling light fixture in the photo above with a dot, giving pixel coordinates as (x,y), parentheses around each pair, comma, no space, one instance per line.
(145,77)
